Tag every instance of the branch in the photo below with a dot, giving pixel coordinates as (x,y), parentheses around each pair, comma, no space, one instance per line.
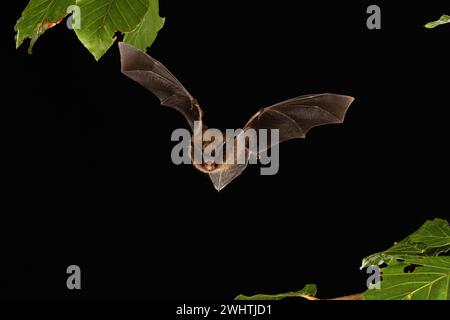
(357,296)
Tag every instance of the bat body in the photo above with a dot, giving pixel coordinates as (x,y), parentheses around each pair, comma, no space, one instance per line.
(293,118)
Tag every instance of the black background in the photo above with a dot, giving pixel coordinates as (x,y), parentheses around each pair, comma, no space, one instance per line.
(88,178)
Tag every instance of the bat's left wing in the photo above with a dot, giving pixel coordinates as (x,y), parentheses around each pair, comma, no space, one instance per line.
(293,118)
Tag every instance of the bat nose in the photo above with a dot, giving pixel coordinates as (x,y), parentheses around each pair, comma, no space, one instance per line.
(209,166)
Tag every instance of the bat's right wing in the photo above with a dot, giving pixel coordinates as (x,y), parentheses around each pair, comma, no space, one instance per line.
(295,117)
(154,76)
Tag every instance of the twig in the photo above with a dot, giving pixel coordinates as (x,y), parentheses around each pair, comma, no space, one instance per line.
(357,296)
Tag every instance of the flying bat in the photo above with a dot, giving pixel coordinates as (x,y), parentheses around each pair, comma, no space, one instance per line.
(293,118)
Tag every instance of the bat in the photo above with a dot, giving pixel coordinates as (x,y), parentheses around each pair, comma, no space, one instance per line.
(293,118)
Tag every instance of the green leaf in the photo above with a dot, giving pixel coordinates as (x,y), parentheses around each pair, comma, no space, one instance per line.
(428,281)
(399,250)
(308,290)
(442,20)
(432,239)
(145,34)
(102,19)
(434,235)
(38,17)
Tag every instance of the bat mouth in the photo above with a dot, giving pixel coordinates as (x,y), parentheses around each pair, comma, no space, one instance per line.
(209,166)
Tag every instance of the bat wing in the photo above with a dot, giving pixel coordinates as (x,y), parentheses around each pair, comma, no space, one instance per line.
(154,76)
(222,178)
(293,118)
(233,167)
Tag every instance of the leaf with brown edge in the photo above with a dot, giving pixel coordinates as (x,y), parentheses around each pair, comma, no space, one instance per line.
(38,17)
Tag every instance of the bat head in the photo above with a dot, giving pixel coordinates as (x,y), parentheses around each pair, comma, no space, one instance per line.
(221,174)
(205,166)
(209,167)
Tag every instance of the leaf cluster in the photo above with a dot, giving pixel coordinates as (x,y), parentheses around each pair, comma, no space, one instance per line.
(96,22)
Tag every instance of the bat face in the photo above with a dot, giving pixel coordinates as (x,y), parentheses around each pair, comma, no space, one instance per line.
(291,118)
(210,165)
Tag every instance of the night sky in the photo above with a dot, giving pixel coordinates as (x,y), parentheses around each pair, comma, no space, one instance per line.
(88,178)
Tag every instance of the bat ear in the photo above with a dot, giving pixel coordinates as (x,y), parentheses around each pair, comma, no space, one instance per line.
(133,58)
